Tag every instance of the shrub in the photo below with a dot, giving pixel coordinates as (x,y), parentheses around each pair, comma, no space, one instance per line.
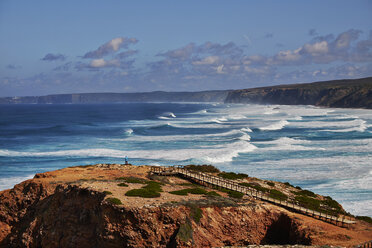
(232,175)
(107,192)
(213,193)
(195,191)
(305,193)
(145,193)
(133,180)
(202,168)
(332,203)
(179,192)
(154,186)
(151,190)
(276,194)
(308,202)
(185,231)
(255,186)
(196,213)
(270,184)
(364,218)
(114,201)
(123,185)
(288,184)
(235,194)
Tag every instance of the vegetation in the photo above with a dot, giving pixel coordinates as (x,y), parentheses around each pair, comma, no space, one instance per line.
(255,186)
(288,184)
(232,175)
(114,201)
(233,194)
(202,168)
(185,231)
(195,191)
(143,193)
(272,184)
(151,190)
(107,192)
(123,185)
(213,193)
(364,218)
(276,194)
(305,193)
(196,213)
(133,180)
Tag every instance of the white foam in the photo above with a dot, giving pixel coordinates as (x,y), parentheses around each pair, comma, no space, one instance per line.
(211,154)
(290,144)
(245,137)
(361,128)
(276,126)
(9,182)
(128,131)
(246,129)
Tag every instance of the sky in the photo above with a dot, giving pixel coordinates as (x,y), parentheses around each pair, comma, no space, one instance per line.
(54,47)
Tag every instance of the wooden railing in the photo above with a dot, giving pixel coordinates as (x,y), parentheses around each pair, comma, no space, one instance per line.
(205,178)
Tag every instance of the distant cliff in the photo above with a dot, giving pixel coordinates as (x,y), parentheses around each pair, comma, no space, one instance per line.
(156,96)
(352,93)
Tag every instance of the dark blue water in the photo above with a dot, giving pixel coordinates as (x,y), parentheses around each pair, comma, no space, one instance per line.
(325,150)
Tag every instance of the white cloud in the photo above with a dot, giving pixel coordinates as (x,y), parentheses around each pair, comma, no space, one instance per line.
(210,60)
(317,48)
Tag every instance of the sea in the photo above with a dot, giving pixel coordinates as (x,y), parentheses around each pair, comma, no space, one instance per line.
(325,150)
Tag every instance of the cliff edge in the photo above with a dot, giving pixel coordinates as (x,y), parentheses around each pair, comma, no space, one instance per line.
(350,93)
(110,206)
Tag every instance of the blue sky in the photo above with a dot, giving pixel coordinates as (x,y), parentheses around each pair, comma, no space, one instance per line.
(50,47)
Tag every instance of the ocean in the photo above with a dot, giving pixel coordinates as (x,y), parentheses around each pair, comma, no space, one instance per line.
(325,150)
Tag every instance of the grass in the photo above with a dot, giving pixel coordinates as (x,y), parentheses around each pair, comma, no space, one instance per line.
(270,184)
(114,201)
(233,194)
(276,194)
(213,193)
(133,180)
(305,193)
(195,191)
(202,168)
(151,190)
(196,213)
(364,218)
(123,185)
(256,186)
(288,184)
(232,175)
(107,192)
(185,231)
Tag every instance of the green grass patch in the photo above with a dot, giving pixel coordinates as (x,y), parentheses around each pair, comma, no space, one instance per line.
(308,202)
(114,201)
(196,213)
(186,184)
(122,185)
(232,175)
(305,193)
(364,218)
(133,180)
(235,194)
(195,191)
(256,186)
(270,184)
(276,194)
(151,190)
(213,193)
(143,193)
(202,168)
(180,192)
(288,184)
(185,232)
(107,192)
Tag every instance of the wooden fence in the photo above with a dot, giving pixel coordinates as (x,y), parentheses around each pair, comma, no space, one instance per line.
(208,179)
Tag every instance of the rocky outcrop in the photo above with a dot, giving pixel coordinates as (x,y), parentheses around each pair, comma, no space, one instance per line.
(66,208)
(353,93)
(76,217)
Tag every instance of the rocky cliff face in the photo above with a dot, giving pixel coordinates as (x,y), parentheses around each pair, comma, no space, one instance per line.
(56,210)
(340,94)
